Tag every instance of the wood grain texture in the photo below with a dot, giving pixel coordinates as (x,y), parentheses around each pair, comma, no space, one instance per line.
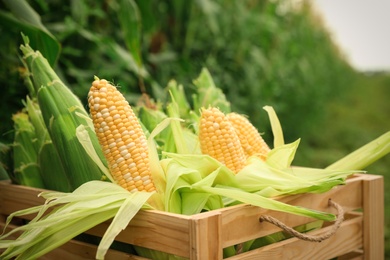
(374,223)
(205,231)
(77,250)
(349,196)
(347,238)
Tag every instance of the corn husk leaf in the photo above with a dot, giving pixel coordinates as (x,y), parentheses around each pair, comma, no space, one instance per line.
(177,94)
(91,204)
(276,126)
(85,140)
(6,162)
(365,155)
(205,176)
(53,173)
(25,152)
(207,94)
(35,116)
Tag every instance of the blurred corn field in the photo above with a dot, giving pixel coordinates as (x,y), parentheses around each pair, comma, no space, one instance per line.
(259,53)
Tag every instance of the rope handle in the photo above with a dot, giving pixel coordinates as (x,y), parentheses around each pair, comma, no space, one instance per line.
(306,237)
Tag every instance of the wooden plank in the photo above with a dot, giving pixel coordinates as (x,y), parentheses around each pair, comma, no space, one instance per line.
(205,234)
(347,238)
(349,196)
(77,250)
(156,230)
(373,211)
(17,197)
(355,255)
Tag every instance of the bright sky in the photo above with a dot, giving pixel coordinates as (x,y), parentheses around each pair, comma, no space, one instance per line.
(362,30)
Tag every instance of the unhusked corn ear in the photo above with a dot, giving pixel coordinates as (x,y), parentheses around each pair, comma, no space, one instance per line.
(120,136)
(25,150)
(250,138)
(219,139)
(63,113)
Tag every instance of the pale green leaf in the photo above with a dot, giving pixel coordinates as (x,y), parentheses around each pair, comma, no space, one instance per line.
(282,156)
(126,212)
(365,155)
(275,125)
(84,138)
(268,203)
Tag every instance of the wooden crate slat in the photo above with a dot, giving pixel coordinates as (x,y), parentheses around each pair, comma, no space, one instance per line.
(17,197)
(349,238)
(77,250)
(349,196)
(158,230)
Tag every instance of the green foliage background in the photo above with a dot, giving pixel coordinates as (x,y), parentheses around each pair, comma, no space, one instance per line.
(259,53)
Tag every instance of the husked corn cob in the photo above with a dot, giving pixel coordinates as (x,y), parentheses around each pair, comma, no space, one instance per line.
(219,139)
(120,136)
(250,138)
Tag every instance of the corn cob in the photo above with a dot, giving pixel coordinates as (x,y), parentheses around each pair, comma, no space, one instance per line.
(25,151)
(250,138)
(63,112)
(52,171)
(219,139)
(120,136)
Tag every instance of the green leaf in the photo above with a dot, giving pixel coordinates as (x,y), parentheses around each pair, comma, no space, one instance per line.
(365,155)
(268,203)
(85,140)
(275,125)
(125,214)
(208,94)
(130,23)
(26,20)
(282,156)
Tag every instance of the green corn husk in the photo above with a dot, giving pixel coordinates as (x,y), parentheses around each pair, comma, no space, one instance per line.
(365,155)
(6,163)
(208,94)
(52,171)
(63,112)
(177,93)
(25,152)
(35,115)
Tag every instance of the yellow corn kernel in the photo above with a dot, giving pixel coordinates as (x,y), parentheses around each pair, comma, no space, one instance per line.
(120,136)
(250,138)
(219,139)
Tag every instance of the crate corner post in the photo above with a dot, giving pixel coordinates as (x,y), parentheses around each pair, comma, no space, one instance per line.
(206,236)
(373,221)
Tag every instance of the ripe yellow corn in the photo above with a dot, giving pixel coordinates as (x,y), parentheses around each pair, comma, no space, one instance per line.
(250,138)
(219,139)
(121,137)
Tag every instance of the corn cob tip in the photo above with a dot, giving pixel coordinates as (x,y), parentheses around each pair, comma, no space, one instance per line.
(250,138)
(121,137)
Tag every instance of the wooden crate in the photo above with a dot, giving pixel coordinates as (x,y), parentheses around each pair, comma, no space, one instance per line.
(203,236)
